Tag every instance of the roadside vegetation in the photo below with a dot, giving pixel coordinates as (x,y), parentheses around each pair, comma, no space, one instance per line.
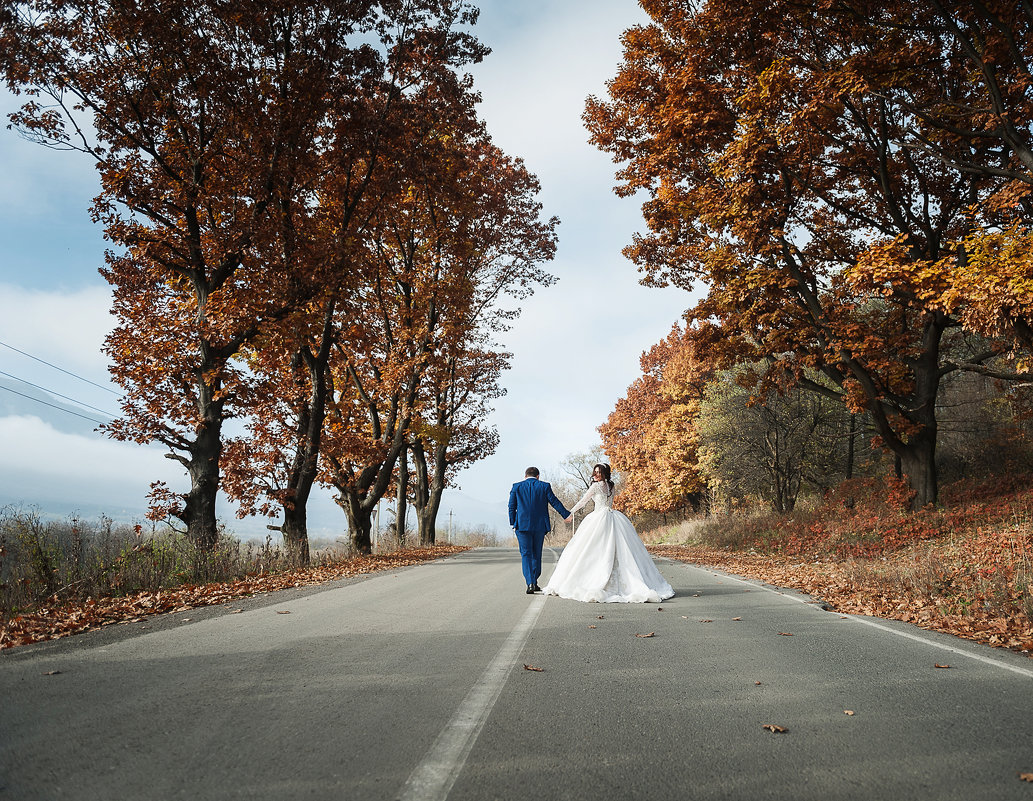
(963,567)
(65,577)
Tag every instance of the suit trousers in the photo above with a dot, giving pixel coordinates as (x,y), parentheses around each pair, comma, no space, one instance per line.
(531,543)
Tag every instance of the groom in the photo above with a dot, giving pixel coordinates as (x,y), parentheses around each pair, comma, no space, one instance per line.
(529,502)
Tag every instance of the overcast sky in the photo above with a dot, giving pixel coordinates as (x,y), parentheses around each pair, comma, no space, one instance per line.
(576,346)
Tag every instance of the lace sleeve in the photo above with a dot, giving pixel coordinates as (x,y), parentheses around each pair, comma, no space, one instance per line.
(587,496)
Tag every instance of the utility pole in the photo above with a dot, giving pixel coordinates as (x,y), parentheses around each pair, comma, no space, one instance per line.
(449,526)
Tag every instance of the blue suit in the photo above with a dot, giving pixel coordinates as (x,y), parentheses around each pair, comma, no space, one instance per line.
(529,502)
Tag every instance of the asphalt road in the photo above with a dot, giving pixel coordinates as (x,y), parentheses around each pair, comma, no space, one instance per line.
(411,685)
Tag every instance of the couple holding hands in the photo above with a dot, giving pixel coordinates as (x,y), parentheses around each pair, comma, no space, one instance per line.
(605,561)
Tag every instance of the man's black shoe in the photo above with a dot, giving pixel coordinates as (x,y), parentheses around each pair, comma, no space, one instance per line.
(530,589)
(536,587)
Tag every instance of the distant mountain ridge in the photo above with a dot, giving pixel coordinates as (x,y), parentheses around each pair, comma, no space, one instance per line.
(18,399)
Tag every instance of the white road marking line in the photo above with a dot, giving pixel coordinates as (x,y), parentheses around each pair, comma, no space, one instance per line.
(869,622)
(433,778)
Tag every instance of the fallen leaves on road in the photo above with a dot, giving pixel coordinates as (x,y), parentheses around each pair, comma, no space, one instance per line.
(52,673)
(1026,777)
(785,634)
(60,619)
(937,664)
(283,611)
(874,587)
(651,634)
(849,712)
(593,626)
(533,668)
(706,620)
(771,727)
(736,618)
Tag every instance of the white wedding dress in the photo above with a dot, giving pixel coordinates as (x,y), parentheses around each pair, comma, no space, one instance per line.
(605,560)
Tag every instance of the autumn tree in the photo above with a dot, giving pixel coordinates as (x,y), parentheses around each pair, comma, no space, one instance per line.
(765,138)
(373,140)
(651,433)
(203,120)
(451,431)
(771,446)
(979,126)
(459,231)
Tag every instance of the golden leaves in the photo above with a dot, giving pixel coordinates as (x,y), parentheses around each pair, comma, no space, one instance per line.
(644,636)
(534,669)
(775,729)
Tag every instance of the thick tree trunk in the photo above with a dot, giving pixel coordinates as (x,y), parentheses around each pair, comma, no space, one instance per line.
(305,465)
(203,467)
(918,464)
(360,523)
(295,533)
(425,519)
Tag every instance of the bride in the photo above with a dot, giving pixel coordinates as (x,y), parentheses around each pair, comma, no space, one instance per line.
(605,560)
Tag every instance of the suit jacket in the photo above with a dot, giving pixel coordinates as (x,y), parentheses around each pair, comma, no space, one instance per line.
(529,502)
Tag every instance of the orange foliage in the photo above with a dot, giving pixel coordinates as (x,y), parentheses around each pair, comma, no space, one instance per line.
(650,435)
(767,136)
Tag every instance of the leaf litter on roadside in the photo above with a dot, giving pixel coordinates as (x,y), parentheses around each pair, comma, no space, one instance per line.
(62,618)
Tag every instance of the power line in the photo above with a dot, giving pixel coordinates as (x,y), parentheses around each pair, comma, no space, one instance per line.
(59,395)
(60,369)
(52,406)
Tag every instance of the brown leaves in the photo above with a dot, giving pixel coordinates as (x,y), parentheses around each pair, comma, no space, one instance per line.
(61,620)
(785,634)
(849,712)
(774,729)
(644,636)
(534,669)
(1026,777)
(938,665)
(862,592)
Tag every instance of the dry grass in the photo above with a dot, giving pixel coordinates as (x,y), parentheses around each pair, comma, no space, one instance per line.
(964,567)
(67,576)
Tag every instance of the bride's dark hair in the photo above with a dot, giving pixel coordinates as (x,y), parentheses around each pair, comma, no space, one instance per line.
(605,470)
